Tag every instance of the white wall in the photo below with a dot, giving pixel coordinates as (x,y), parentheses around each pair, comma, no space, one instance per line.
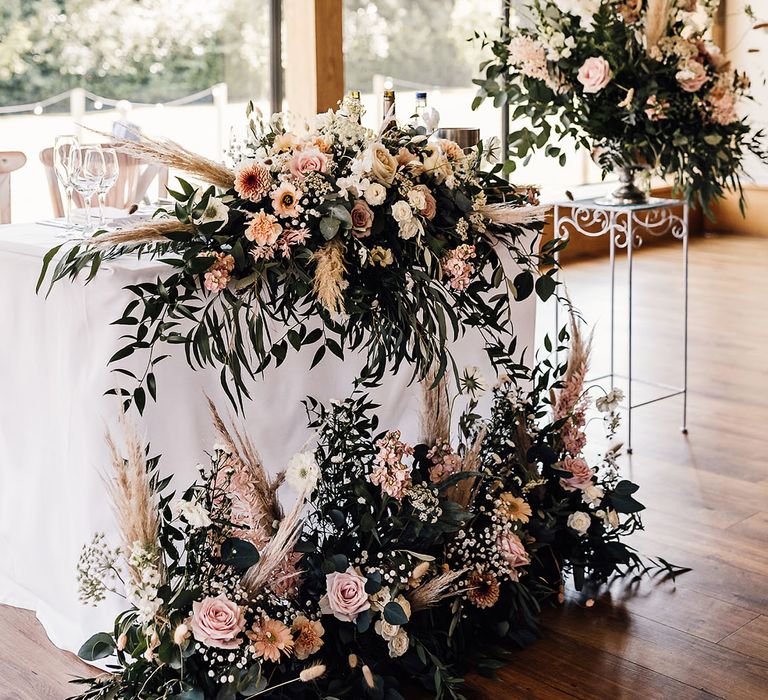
(748,49)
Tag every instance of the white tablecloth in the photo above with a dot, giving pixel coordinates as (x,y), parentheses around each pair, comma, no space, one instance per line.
(53,415)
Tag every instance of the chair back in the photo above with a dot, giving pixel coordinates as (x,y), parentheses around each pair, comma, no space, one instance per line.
(132,186)
(9,161)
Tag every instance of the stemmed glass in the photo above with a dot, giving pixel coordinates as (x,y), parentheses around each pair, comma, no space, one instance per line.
(62,165)
(111,172)
(87,163)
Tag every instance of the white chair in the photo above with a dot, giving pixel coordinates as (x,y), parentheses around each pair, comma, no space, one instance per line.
(9,161)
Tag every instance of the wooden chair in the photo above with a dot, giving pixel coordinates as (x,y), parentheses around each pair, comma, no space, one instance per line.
(131,187)
(9,161)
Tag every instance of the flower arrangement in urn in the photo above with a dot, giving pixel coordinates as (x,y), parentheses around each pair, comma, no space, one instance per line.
(327,235)
(638,82)
(399,560)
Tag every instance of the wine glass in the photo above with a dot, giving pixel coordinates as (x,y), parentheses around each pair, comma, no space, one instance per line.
(62,151)
(111,172)
(87,163)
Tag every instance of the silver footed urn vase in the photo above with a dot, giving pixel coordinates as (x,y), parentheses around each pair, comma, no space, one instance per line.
(627,193)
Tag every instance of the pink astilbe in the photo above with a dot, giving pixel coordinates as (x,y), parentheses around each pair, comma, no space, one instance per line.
(391,473)
(218,275)
(571,402)
(457,267)
(444,462)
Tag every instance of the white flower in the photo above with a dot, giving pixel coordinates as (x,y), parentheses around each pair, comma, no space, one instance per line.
(215,211)
(410,228)
(399,644)
(431,118)
(579,521)
(472,382)
(375,194)
(193,513)
(610,402)
(417,199)
(302,472)
(401,211)
(592,495)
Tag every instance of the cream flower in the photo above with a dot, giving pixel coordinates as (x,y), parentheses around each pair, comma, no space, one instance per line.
(285,200)
(302,472)
(579,521)
(399,644)
(383,163)
(401,212)
(375,194)
(193,513)
(411,228)
(263,229)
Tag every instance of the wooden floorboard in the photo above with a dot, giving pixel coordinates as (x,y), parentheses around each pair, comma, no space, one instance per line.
(705,636)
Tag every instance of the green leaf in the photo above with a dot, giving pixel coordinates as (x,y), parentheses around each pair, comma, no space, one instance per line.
(329,227)
(46,263)
(523,284)
(99,646)
(545,287)
(394,614)
(239,554)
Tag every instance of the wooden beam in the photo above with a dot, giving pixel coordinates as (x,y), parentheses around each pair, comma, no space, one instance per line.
(314,64)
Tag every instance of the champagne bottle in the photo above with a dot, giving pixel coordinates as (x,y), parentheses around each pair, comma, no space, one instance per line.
(354,106)
(388,110)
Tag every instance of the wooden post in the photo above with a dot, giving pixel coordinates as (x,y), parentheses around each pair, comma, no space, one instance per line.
(314,70)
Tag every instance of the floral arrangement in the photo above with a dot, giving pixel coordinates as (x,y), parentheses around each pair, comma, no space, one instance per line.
(639,83)
(396,561)
(328,235)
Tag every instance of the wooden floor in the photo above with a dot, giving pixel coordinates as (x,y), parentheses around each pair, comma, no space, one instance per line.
(707,499)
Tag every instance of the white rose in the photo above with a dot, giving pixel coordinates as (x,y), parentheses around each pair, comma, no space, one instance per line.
(399,645)
(302,472)
(375,194)
(386,630)
(592,495)
(416,199)
(379,600)
(436,164)
(410,228)
(579,521)
(193,513)
(401,211)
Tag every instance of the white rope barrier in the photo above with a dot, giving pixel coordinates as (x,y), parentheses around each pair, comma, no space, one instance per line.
(99,101)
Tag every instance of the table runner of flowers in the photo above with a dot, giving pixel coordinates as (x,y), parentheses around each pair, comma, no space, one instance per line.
(327,235)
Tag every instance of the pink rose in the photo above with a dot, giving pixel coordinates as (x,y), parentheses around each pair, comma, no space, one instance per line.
(362,218)
(429,210)
(307,161)
(218,622)
(692,76)
(582,474)
(512,550)
(346,597)
(595,74)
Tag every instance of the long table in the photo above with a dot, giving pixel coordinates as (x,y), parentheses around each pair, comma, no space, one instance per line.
(54,414)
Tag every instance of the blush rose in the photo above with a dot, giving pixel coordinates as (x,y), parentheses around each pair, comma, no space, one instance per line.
(581,472)
(307,161)
(346,597)
(218,622)
(594,74)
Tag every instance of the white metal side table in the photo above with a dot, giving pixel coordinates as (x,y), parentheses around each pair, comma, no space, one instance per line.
(625,225)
